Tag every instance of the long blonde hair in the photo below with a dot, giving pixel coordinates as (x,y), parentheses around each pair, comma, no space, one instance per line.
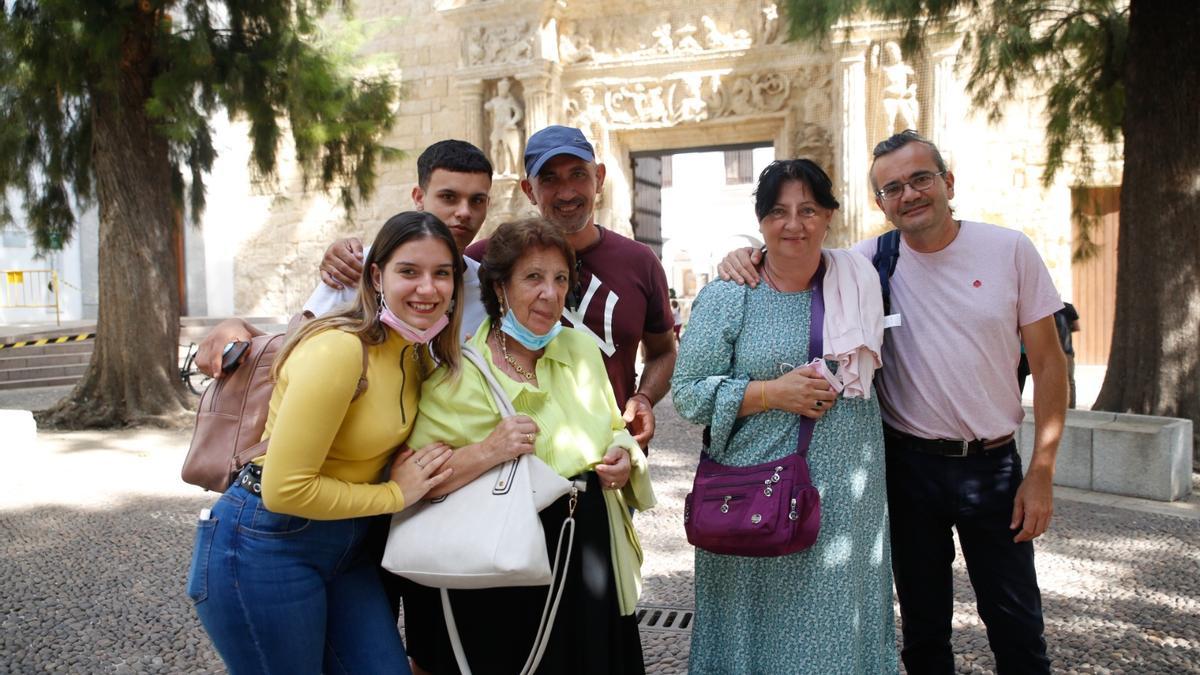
(362,317)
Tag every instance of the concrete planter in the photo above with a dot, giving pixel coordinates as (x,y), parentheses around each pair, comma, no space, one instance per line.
(1133,455)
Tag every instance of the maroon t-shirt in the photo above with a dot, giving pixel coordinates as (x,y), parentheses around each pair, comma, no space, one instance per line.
(624,296)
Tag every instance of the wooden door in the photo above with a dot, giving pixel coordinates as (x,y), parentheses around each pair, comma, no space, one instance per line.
(647,201)
(1095,278)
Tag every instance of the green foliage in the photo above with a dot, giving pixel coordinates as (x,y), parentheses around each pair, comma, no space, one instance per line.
(266,61)
(1074,50)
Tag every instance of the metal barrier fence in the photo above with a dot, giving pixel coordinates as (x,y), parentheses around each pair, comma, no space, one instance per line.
(31,289)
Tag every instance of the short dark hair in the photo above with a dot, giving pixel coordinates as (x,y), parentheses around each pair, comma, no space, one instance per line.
(772,178)
(506,246)
(896,141)
(451,155)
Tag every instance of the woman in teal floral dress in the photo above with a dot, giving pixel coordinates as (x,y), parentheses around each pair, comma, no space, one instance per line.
(827,609)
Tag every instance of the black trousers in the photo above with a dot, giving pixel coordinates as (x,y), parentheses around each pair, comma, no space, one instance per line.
(929,494)
(497,625)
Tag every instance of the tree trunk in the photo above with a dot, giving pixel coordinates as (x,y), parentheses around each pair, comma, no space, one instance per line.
(1154,365)
(133,377)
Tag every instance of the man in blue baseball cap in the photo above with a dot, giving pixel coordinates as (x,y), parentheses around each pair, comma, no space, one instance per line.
(622,298)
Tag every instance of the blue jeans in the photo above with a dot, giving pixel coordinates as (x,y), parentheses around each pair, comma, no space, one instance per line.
(929,494)
(283,594)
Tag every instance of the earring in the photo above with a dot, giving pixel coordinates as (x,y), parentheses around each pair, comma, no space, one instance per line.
(453,304)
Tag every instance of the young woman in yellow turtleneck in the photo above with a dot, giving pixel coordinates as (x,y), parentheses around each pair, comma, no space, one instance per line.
(281,577)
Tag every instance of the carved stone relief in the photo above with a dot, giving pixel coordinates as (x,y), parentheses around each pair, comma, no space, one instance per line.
(584,113)
(573,47)
(812,138)
(512,43)
(611,38)
(691,98)
(749,94)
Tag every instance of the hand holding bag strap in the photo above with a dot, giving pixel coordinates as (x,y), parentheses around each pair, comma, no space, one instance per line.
(498,393)
(816,340)
(557,582)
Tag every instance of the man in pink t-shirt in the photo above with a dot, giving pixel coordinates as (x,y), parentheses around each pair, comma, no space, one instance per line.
(967,294)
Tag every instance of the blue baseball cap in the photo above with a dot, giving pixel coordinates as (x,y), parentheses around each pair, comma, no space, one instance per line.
(553,141)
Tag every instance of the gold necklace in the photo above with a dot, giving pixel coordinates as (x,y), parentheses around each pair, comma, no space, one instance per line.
(511,361)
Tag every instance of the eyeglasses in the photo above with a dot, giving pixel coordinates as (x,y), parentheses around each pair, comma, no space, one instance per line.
(920,183)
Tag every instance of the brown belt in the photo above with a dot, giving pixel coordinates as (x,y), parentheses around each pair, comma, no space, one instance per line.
(950,448)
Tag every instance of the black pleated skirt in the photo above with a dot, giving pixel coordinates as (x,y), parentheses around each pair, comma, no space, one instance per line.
(497,625)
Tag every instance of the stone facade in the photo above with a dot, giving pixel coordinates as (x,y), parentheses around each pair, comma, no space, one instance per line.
(643,76)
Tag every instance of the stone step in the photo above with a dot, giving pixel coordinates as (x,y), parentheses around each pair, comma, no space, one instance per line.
(41,382)
(54,371)
(191,328)
(81,347)
(17,358)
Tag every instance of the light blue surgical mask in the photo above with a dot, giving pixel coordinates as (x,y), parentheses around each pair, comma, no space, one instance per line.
(517,331)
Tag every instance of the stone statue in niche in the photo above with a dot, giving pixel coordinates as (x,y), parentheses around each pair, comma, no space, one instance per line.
(899,93)
(506,129)
(768,25)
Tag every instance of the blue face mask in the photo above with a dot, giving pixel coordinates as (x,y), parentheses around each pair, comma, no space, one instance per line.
(517,331)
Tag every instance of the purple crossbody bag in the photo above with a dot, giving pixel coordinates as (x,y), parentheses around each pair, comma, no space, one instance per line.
(768,509)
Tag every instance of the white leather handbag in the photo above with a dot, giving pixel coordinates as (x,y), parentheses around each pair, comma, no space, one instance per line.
(486,534)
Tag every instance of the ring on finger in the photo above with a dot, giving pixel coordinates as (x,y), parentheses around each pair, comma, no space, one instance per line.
(529,438)
(819,404)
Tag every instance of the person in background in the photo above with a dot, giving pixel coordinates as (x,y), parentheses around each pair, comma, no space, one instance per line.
(677,316)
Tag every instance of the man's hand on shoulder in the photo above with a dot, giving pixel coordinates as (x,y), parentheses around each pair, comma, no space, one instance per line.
(342,264)
(740,266)
(212,347)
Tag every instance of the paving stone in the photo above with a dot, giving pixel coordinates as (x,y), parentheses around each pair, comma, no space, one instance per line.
(94,560)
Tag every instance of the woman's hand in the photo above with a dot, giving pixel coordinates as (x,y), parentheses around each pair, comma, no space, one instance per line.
(513,436)
(801,391)
(418,472)
(614,469)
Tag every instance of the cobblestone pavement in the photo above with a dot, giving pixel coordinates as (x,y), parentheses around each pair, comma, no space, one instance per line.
(96,533)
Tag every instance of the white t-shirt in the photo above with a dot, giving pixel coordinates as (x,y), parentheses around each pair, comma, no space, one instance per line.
(950,368)
(325,299)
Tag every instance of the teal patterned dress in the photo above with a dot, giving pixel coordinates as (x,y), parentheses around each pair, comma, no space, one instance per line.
(825,610)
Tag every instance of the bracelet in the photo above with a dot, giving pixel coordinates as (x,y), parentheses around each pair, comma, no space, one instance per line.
(643,395)
(762,392)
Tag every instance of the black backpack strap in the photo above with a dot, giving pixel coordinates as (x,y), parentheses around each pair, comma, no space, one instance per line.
(887,252)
